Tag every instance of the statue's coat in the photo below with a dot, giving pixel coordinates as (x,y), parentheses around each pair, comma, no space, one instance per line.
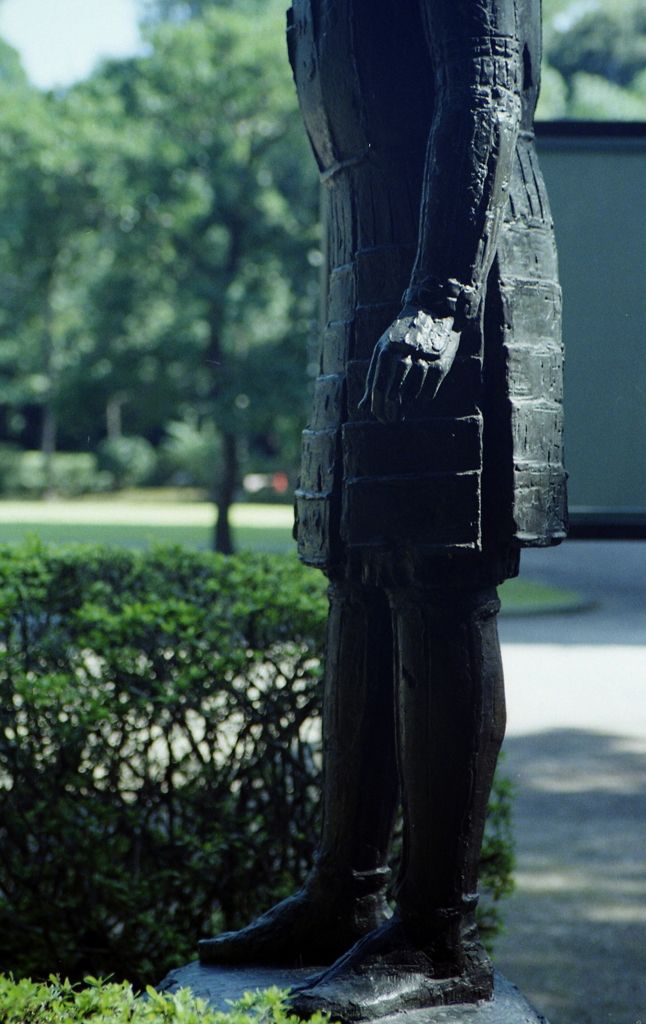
(474,474)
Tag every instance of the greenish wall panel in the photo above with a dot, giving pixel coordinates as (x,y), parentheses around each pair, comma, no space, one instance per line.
(597,191)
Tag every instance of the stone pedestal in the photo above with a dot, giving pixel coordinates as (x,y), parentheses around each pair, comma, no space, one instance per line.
(219,985)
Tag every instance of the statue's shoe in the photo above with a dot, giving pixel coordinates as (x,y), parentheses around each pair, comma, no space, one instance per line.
(388,971)
(309,928)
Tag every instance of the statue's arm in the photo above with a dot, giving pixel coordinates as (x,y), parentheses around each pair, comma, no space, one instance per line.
(477,60)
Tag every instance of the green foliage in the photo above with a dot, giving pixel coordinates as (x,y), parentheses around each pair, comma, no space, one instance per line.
(596,57)
(156,222)
(192,452)
(47,199)
(553,97)
(207,295)
(594,98)
(181,10)
(25,474)
(130,460)
(159,760)
(59,1002)
(158,780)
(159,236)
(11,70)
(603,42)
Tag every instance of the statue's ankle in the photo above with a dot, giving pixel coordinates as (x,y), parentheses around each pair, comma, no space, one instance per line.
(448,935)
(360,896)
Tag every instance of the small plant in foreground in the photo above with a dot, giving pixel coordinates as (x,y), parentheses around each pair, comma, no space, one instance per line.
(59,1002)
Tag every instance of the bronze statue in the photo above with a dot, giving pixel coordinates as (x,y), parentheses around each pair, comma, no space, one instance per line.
(432,457)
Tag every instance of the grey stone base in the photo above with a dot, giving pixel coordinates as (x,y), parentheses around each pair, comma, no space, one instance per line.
(219,985)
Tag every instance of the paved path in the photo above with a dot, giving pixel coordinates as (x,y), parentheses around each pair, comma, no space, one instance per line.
(576,749)
(611,573)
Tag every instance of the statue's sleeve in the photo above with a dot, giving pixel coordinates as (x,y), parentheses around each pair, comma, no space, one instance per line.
(478,70)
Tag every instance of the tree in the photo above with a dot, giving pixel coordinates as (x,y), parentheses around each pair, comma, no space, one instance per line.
(155,11)
(47,201)
(603,42)
(143,340)
(157,221)
(221,202)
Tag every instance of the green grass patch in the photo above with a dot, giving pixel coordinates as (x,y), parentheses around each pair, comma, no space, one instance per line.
(524,597)
(275,539)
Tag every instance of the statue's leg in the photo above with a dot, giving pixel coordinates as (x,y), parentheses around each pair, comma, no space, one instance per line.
(344,896)
(450,709)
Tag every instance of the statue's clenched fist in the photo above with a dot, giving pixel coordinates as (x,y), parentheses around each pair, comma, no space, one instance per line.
(412,358)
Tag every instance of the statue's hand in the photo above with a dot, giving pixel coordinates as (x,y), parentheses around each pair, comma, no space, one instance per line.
(412,357)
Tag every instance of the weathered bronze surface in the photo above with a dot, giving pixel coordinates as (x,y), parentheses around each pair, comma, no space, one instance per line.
(433,455)
(219,986)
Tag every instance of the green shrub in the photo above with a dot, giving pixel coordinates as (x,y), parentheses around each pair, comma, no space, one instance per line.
(59,1002)
(127,461)
(25,474)
(192,453)
(158,757)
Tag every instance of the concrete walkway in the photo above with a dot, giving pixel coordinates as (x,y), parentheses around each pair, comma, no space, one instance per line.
(576,750)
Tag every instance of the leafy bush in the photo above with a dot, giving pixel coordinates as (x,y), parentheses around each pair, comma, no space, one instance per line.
(157,780)
(129,460)
(73,473)
(192,452)
(59,1002)
(158,753)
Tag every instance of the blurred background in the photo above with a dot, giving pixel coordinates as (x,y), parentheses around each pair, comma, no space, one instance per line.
(160,247)
(160,267)
(160,252)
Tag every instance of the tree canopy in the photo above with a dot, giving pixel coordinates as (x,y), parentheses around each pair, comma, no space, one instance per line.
(595,52)
(157,221)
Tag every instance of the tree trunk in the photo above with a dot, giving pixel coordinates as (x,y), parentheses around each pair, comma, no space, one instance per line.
(223,541)
(113,416)
(48,447)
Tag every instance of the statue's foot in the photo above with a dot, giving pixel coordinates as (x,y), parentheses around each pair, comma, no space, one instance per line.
(313,927)
(388,971)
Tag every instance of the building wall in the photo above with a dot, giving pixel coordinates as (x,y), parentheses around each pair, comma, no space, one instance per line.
(597,189)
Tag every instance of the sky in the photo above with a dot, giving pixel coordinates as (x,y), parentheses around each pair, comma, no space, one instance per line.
(60,41)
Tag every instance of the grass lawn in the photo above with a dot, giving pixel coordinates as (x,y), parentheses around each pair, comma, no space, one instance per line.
(524,597)
(139,535)
(140,519)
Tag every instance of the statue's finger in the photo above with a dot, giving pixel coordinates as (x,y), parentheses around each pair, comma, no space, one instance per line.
(377,400)
(391,411)
(381,383)
(435,374)
(414,382)
(401,369)
(374,362)
(366,400)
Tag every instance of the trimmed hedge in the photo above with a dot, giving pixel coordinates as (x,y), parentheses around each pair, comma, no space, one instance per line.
(159,763)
